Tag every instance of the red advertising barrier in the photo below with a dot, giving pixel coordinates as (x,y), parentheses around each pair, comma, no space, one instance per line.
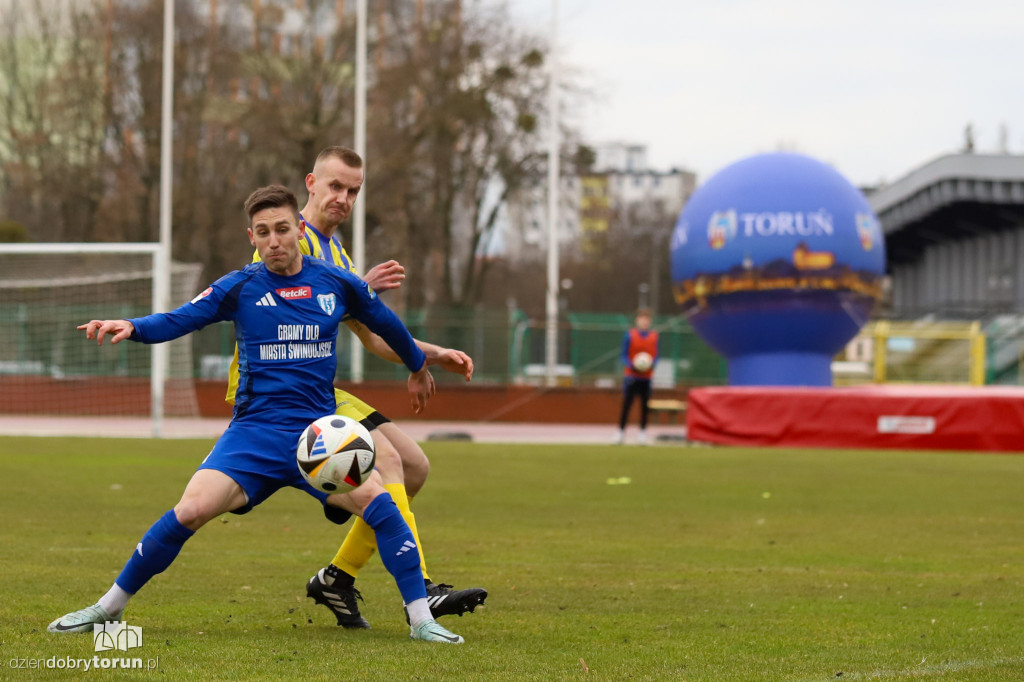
(899,417)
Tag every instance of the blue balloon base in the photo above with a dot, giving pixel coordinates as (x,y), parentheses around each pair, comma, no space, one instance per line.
(780,369)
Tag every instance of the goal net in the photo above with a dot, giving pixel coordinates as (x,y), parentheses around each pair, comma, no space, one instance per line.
(47,367)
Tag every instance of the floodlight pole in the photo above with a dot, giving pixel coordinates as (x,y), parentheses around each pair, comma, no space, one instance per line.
(359,212)
(162,258)
(551,327)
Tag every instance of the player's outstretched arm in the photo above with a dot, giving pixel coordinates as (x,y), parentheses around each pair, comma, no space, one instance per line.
(372,342)
(366,307)
(98,329)
(385,276)
(448,359)
(421,388)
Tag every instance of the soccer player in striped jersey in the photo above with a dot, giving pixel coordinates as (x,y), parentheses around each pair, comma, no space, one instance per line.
(333,188)
(286,312)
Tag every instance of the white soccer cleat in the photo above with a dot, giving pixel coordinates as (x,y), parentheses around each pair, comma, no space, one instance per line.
(83,619)
(432,631)
(641,438)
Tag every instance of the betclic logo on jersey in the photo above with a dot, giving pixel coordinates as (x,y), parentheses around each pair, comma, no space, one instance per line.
(203,294)
(294,293)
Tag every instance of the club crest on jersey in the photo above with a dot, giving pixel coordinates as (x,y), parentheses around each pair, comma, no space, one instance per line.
(327,302)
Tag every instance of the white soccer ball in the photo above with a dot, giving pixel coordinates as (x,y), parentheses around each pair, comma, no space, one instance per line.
(335,454)
(642,361)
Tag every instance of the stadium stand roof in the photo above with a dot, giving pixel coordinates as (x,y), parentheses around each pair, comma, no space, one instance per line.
(951,197)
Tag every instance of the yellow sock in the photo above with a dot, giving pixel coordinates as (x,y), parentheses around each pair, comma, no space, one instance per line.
(359,545)
(361,542)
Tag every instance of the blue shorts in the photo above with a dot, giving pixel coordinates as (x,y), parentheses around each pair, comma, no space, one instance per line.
(261,460)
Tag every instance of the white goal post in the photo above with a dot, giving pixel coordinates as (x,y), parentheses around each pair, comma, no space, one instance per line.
(46,365)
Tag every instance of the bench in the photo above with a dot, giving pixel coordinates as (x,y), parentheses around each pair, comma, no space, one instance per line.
(671,409)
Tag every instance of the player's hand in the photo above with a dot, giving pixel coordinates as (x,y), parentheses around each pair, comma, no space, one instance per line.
(385,276)
(421,387)
(98,329)
(455,361)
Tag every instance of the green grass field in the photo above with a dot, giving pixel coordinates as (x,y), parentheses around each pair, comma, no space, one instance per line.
(710,564)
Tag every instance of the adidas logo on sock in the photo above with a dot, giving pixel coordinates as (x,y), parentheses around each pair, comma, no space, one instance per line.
(405,548)
(268,299)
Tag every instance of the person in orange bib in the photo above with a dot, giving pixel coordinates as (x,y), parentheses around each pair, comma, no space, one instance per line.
(639,356)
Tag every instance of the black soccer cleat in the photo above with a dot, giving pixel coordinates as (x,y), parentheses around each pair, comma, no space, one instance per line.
(341,600)
(445,601)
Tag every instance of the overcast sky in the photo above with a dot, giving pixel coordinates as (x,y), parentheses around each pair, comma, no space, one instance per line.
(873,87)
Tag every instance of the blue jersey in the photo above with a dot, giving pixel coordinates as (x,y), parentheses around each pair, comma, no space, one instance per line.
(286,328)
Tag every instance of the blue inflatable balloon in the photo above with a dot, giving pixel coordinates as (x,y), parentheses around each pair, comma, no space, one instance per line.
(778,261)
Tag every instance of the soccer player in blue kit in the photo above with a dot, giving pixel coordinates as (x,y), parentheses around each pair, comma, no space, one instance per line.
(286,311)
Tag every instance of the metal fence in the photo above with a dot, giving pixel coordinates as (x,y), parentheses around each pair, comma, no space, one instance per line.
(920,351)
(508,347)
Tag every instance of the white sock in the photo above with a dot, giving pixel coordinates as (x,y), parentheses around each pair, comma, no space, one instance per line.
(419,612)
(114,601)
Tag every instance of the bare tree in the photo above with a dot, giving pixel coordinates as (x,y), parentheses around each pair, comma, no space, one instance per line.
(300,83)
(51,122)
(259,88)
(631,254)
(456,105)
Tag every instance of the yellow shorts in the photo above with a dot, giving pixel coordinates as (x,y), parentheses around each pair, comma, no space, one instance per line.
(354,408)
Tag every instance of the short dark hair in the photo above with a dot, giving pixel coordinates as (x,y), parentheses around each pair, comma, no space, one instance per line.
(347,156)
(271,196)
(644,312)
